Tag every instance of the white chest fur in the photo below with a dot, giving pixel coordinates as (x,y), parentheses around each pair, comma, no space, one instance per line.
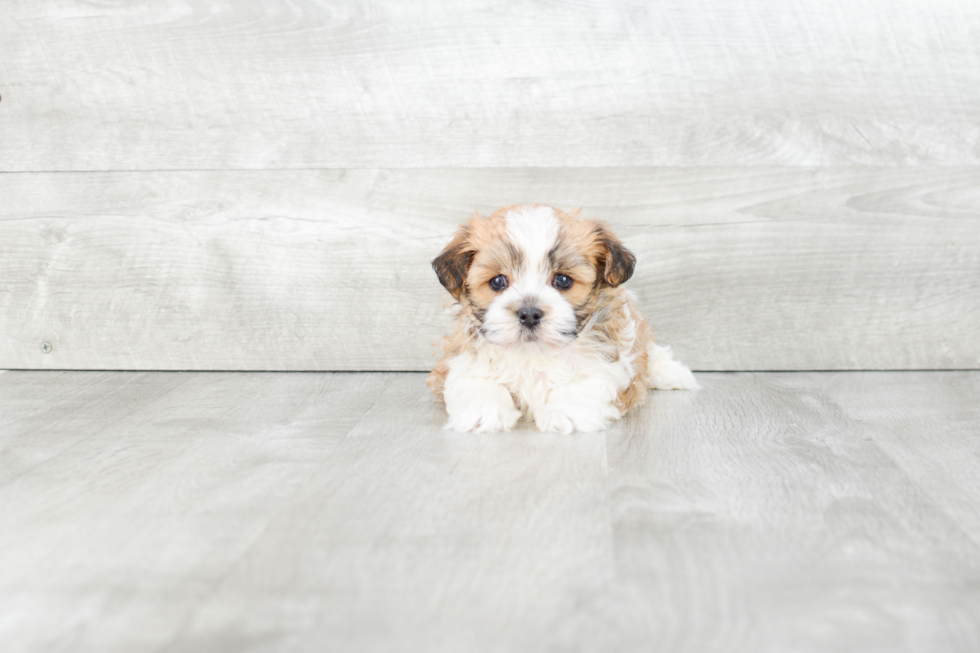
(535,379)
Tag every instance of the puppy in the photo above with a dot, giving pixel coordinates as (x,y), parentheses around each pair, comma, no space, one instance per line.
(543,326)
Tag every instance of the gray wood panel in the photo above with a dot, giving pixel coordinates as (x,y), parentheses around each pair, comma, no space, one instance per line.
(248,512)
(942,465)
(159,488)
(454,542)
(195,84)
(32,404)
(739,268)
(761,515)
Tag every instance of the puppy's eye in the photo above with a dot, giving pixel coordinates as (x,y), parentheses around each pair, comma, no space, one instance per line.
(498,283)
(562,282)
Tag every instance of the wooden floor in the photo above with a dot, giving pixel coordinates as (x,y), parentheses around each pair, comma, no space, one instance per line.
(330,512)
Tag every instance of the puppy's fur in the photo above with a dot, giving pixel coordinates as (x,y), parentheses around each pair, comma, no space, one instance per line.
(543,326)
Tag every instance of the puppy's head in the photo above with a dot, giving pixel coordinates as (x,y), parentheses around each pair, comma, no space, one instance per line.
(531,275)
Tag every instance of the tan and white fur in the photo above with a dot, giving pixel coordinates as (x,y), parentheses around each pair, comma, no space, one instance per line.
(543,326)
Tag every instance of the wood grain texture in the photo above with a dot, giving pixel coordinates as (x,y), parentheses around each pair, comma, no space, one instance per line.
(855,563)
(419,535)
(256,512)
(161,484)
(212,84)
(942,466)
(739,268)
(28,406)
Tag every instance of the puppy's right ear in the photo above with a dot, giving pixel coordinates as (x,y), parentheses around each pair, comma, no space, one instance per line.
(452,265)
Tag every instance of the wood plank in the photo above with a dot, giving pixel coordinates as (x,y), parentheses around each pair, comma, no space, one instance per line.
(107,547)
(758,515)
(60,406)
(421,538)
(941,459)
(218,84)
(282,511)
(775,268)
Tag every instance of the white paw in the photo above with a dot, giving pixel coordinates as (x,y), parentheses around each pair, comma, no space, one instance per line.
(491,410)
(553,420)
(561,417)
(667,373)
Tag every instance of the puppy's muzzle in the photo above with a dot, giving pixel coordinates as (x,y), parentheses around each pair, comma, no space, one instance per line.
(529,316)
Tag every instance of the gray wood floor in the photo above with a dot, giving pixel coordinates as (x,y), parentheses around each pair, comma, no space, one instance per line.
(315,512)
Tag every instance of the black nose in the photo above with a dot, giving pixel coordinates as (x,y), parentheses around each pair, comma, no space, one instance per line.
(530,316)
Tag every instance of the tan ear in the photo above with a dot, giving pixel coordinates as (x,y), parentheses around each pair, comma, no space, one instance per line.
(618,262)
(452,265)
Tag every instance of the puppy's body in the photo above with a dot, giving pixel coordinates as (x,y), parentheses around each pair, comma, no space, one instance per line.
(543,326)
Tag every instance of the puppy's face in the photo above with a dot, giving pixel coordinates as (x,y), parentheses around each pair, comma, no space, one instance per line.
(531,276)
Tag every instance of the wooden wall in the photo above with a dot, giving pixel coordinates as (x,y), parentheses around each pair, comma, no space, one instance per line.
(232,184)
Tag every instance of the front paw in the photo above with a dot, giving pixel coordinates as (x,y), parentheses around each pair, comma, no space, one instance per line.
(561,417)
(491,410)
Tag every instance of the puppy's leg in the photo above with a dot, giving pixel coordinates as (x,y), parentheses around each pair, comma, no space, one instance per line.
(586,405)
(667,373)
(477,404)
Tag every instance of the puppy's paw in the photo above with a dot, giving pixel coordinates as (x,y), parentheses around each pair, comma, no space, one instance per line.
(554,420)
(565,417)
(491,410)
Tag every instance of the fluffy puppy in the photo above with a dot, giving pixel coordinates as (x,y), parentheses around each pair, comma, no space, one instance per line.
(543,326)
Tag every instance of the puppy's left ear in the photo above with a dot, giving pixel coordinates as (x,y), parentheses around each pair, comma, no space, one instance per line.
(452,265)
(617,262)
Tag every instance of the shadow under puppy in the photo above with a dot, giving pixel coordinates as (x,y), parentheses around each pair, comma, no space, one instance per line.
(543,326)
